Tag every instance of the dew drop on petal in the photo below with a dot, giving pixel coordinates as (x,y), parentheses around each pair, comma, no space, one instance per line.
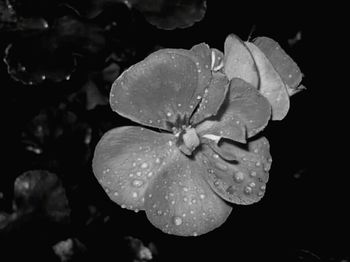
(202,196)
(137,183)
(144,165)
(239,177)
(177,221)
(134,195)
(247,190)
(221,166)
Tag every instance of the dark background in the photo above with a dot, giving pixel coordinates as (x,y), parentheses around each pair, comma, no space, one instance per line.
(303,214)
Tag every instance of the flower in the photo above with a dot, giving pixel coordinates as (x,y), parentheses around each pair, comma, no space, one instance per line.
(207,156)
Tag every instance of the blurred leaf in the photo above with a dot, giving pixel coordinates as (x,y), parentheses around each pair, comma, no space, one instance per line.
(41,192)
(170,14)
(69,249)
(10,21)
(50,56)
(93,95)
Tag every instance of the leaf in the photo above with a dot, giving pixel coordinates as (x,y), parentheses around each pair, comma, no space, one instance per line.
(180,202)
(212,99)
(126,161)
(245,113)
(284,65)
(271,84)
(171,14)
(159,90)
(239,62)
(49,56)
(41,192)
(242,181)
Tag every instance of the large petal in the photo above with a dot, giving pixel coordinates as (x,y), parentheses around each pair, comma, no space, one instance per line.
(126,161)
(212,99)
(180,201)
(282,62)
(271,84)
(242,181)
(165,86)
(244,114)
(239,62)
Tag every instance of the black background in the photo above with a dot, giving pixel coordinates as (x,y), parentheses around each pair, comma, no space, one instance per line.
(302,216)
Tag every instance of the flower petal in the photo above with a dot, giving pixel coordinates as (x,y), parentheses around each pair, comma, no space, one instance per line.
(284,65)
(212,99)
(180,202)
(126,161)
(242,181)
(245,113)
(239,62)
(168,84)
(271,84)
(217,59)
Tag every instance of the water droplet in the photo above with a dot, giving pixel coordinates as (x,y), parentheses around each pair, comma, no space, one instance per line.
(157,160)
(136,210)
(258,163)
(43,77)
(199,97)
(185,199)
(105,171)
(168,114)
(247,190)
(239,177)
(195,234)
(134,195)
(123,206)
(194,201)
(116,193)
(159,212)
(131,175)
(185,189)
(221,166)
(137,183)
(150,174)
(253,174)
(216,156)
(252,184)
(144,165)
(172,202)
(263,187)
(179,105)
(191,212)
(202,196)
(177,220)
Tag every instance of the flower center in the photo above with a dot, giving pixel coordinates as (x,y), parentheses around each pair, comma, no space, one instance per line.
(190,139)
